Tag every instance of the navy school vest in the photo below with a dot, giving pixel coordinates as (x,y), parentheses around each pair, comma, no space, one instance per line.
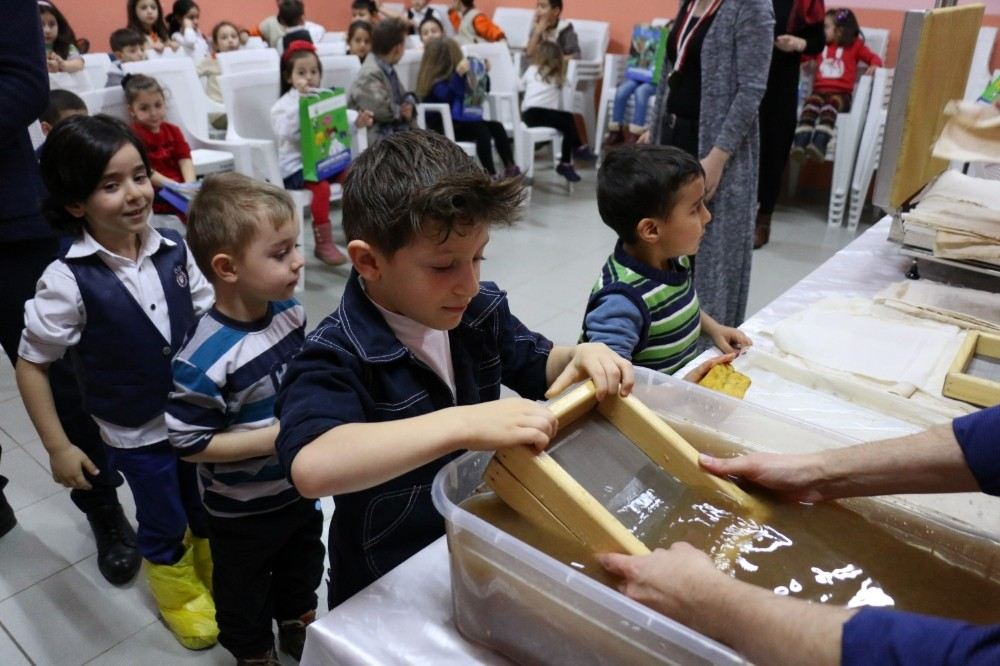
(122,359)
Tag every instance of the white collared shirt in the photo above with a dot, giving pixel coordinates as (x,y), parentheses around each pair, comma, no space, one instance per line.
(55,318)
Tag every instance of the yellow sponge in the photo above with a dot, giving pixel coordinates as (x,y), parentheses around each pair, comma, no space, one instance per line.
(725,379)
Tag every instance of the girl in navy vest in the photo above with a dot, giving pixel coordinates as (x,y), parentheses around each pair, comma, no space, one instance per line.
(120,300)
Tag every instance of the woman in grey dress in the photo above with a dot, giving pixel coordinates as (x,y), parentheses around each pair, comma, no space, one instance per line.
(718,57)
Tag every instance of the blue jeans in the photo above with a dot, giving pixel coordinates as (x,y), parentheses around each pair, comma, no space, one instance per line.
(642,92)
(166,499)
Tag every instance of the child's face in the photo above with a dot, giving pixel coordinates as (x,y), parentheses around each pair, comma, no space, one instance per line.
(227,39)
(681,231)
(148,109)
(360,43)
(362,15)
(131,53)
(269,267)
(146,12)
(193,15)
(50,29)
(429,31)
(429,281)
(545,13)
(417,5)
(305,73)
(120,205)
(829,29)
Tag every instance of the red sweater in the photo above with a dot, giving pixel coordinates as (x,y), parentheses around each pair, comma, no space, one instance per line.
(166,149)
(837,66)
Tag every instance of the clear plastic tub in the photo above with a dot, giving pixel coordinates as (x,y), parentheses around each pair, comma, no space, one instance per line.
(537,610)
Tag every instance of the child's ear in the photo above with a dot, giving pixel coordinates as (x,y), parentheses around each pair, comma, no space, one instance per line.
(76,210)
(46,127)
(648,230)
(224,267)
(366,259)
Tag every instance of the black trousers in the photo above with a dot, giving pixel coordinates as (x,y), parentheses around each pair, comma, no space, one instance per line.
(486,134)
(562,121)
(777,120)
(21,264)
(266,566)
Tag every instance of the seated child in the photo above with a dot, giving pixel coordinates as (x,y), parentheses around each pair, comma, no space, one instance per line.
(60,42)
(265,538)
(182,24)
(359,39)
(406,373)
(225,38)
(377,87)
(644,305)
(421,11)
(146,18)
(836,73)
(549,25)
(301,71)
(446,77)
(471,25)
(62,104)
(430,28)
(291,16)
(127,45)
(168,150)
(120,300)
(638,85)
(365,10)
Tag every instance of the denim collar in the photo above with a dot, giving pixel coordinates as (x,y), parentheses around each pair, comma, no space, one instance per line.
(371,336)
(675,276)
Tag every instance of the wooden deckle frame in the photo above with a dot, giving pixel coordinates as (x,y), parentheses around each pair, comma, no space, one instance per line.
(536,486)
(969,388)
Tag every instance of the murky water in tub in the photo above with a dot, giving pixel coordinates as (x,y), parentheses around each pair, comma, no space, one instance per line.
(823,553)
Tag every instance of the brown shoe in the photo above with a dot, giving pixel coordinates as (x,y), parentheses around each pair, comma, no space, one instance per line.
(613,138)
(761,231)
(325,250)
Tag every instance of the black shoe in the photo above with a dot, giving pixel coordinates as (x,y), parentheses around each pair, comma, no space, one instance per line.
(7,518)
(292,634)
(117,557)
(268,658)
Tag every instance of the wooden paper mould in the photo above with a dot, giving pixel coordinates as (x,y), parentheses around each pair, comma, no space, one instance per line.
(537,487)
(969,388)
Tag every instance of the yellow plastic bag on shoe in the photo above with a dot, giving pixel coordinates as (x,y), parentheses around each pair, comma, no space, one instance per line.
(202,558)
(185,603)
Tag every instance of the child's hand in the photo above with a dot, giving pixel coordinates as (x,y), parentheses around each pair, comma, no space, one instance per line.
(406,112)
(364,119)
(157,46)
(729,339)
(462,67)
(790,44)
(68,465)
(699,373)
(609,371)
(187,24)
(54,62)
(508,422)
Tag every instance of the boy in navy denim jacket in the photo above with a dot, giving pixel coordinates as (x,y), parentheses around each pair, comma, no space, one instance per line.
(406,373)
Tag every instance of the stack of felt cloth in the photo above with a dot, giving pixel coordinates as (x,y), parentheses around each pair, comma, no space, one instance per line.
(970,309)
(958,217)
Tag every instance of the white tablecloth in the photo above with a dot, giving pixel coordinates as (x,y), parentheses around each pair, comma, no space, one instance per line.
(406,616)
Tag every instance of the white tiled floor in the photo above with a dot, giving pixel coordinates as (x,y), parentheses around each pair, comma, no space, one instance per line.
(54,606)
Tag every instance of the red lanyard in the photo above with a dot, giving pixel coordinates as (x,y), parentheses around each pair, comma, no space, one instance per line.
(684,36)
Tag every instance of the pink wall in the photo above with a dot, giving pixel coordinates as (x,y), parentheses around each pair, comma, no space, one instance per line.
(96,20)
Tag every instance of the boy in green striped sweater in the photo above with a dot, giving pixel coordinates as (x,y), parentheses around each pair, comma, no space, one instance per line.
(644,305)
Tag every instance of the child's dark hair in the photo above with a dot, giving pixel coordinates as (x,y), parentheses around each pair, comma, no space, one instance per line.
(430,19)
(640,181)
(65,36)
(387,34)
(365,4)
(219,26)
(123,37)
(549,60)
(291,12)
(159,28)
(360,24)
(846,24)
(288,61)
(421,182)
(469,4)
(224,215)
(73,159)
(556,4)
(175,19)
(61,101)
(133,84)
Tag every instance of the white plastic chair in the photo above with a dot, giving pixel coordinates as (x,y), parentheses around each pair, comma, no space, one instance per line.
(77,82)
(594,37)
(330,48)
(871,144)
(339,71)
(515,23)
(97,65)
(979,71)
(394,7)
(614,75)
(248,60)
(189,107)
(334,36)
(444,111)
(408,68)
